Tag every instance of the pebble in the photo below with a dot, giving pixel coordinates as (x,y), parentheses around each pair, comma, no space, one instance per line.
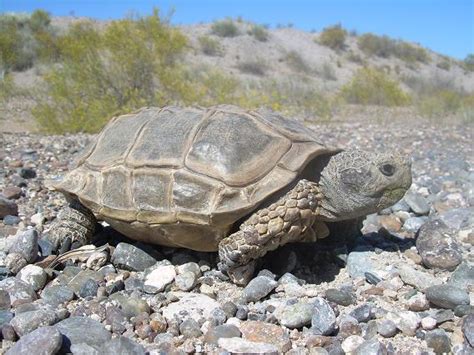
(7,207)
(418,279)
(262,332)
(189,328)
(371,347)
(323,320)
(189,267)
(351,343)
(15,262)
(194,305)
(10,220)
(407,321)
(242,346)
(83,277)
(88,289)
(27,173)
(19,291)
(437,247)
(417,203)
(447,296)
(439,341)
(413,224)
(386,328)
(73,332)
(5,317)
(428,323)
(463,276)
(33,275)
(131,306)
(362,313)
(295,315)
(158,277)
(340,297)
(129,257)
(44,341)
(221,331)
(258,288)
(361,261)
(468,328)
(56,295)
(26,244)
(463,310)
(186,281)
(12,192)
(83,349)
(26,322)
(418,303)
(122,345)
(8,333)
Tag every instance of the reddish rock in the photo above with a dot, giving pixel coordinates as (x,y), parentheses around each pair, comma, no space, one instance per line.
(12,192)
(262,332)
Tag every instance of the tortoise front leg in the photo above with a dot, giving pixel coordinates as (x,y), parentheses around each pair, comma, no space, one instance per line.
(73,228)
(284,221)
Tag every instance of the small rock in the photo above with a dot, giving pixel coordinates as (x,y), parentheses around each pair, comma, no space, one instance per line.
(189,267)
(261,332)
(15,262)
(122,345)
(5,317)
(83,277)
(371,347)
(418,303)
(417,203)
(407,321)
(362,313)
(447,296)
(186,281)
(192,305)
(7,207)
(386,328)
(428,323)
(468,328)
(437,247)
(241,346)
(115,318)
(221,331)
(19,291)
(190,328)
(56,295)
(26,322)
(361,261)
(26,245)
(390,222)
(401,206)
(88,289)
(44,340)
(294,316)
(258,288)
(463,276)
(9,220)
(463,310)
(341,297)
(158,278)
(229,309)
(413,224)
(33,275)
(12,192)
(83,349)
(418,279)
(73,332)
(323,321)
(131,306)
(351,343)
(129,257)
(37,219)
(439,341)
(8,333)
(27,173)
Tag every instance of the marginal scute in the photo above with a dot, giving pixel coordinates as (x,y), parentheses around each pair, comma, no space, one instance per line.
(165,139)
(117,138)
(300,154)
(231,147)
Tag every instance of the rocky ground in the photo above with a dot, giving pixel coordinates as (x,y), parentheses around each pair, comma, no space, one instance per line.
(406,286)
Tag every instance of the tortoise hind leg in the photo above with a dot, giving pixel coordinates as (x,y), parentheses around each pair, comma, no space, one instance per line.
(284,221)
(73,228)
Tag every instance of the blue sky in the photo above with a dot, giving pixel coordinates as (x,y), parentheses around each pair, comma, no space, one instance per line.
(446,26)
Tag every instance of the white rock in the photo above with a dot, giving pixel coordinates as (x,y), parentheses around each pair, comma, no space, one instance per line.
(37,219)
(33,275)
(241,346)
(234,321)
(160,277)
(351,343)
(428,323)
(407,321)
(194,305)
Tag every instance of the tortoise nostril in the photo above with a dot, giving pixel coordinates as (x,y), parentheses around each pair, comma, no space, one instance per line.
(387,169)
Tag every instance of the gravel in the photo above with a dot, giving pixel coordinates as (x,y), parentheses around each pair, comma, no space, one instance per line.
(408,277)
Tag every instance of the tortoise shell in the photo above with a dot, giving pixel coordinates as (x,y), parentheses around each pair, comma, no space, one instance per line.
(183,176)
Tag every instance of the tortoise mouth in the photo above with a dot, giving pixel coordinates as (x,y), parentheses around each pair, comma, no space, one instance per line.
(391,196)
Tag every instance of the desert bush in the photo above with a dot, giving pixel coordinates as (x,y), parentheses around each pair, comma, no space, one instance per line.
(468,62)
(210,46)
(373,87)
(296,62)
(333,37)
(445,65)
(225,28)
(130,64)
(256,67)
(384,46)
(327,72)
(355,58)
(259,32)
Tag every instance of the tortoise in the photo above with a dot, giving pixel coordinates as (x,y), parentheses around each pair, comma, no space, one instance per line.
(224,179)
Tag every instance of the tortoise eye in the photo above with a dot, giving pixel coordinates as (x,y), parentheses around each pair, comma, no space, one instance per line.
(387,169)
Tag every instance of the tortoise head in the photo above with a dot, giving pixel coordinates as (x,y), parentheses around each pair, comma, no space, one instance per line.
(355,183)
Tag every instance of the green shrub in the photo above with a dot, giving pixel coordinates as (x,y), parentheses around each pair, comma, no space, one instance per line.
(445,65)
(210,46)
(373,87)
(225,28)
(130,64)
(256,67)
(355,58)
(383,46)
(296,62)
(333,37)
(259,32)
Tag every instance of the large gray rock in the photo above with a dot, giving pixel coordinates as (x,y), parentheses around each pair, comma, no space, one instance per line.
(42,341)
(7,207)
(76,330)
(296,315)
(26,322)
(26,244)
(468,328)
(323,320)
(19,291)
(56,295)
(439,341)
(463,276)
(360,261)
(437,247)
(447,296)
(419,279)
(129,257)
(258,288)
